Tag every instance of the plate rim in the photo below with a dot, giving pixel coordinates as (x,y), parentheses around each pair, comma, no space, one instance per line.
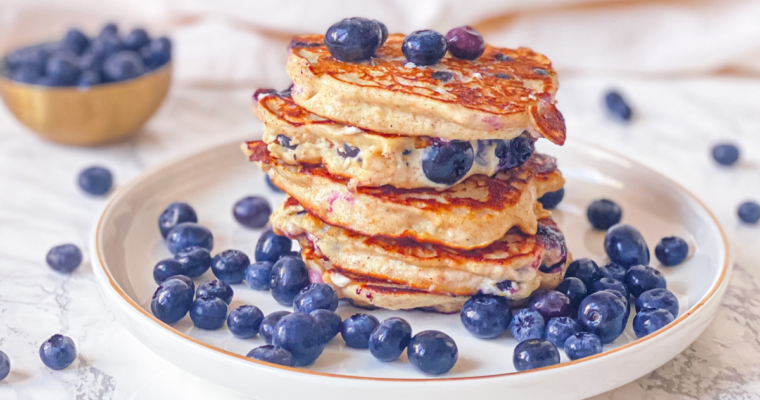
(121,190)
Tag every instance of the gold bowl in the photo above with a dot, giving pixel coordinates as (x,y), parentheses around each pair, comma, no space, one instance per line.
(86,117)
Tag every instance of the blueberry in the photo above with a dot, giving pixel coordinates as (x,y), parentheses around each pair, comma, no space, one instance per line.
(136,39)
(443,76)
(535,353)
(612,271)
(649,320)
(295,254)
(432,352)
(551,200)
(30,60)
(329,322)
(230,266)
(25,76)
(272,354)
(582,345)
(188,234)
(167,268)
(58,352)
(109,29)
(389,339)
(584,269)
(465,43)
(514,153)
(105,46)
(725,154)
(289,276)
(527,324)
(611,284)
(64,258)
(424,47)
(208,313)
(123,66)
(574,289)
(749,212)
(196,260)
(658,298)
(383,31)
(157,53)
(271,246)
(485,316)
(189,282)
(252,212)
(76,41)
(215,288)
(603,314)
(671,251)
(357,329)
(300,334)
(447,162)
(353,39)
(89,78)
(271,185)
(91,62)
(617,106)
(259,275)
(176,213)
(62,69)
(625,246)
(95,180)
(550,304)
(603,214)
(315,297)
(244,322)
(347,151)
(266,330)
(5,365)
(172,300)
(641,278)
(559,329)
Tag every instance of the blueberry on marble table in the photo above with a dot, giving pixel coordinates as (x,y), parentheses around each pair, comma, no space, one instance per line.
(166,269)
(252,212)
(271,246)
(171,300)
(354,39)
(582,344)
(725,154)
(195,260)
(315,297)
(641,278)
(244,322)
(329,322)
(527,324)
(465,42)
(272,354)
(389,339)
(289,276)
(58,352)
(447,162)
(604,213)
(648,321)
(230,265)
(584,269)
(574,289)
(357,329)
(189,234)
(603,314)
(64,258)
(658,298)
(175,214)
(671,251)
(5,365)
(95,180)
(550,304)
(551,200)
(559,329)
(300,334)
(266,329)
(535,353)
(749,212)
(215,288)
(432,352)
(259,275)
(611,284)
(424,47)
(625,246)
(617,106)
(485,316)
(208,312)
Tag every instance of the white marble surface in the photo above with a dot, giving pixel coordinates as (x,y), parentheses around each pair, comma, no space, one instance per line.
(40,206)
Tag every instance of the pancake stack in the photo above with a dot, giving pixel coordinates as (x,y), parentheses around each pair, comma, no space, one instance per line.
(416,187)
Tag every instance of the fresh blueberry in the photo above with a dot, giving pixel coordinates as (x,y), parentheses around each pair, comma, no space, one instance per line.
(315,297)
(357,329)
(230,266)
(389,339)
(172,300)
(582,345)
(272,354)
(749,212)
(95,180)
(626,301)
(301,335)
(215,288)
(650,320)
(551,200)
(252,212)
(383,31)
(289,276)
(443,76)
(658,298)
(123,66)
(625,246)
(109,29)
(514,153)
(527,324)
(189,234)
(25,76)
(485,316)
(432,352)
(64,258)
(447,162)
(176,213)
(603,214)
(89,78)
(295,254)
(671,251)
(725,154)
(271,246)
(465,43)
(559,329)
(271,185)
(574,289)
(611,284)
(157,53)
(29,59)
(62,69)
(58,352)
(550,304)
(603,314)
(136,39)
(189,282)
(266,330)
(612,271)
(208,313)
(329,322)
(641,278)
(244,322)
(617,106)
(535,353)
(196,260)
(5,365)
(353,39)
(91,62)
(424,47)
(76,41)
(259,275)
(105,46)
(584,269)
(167,268)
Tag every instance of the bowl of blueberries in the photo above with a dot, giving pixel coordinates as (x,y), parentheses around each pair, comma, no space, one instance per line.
(86,91)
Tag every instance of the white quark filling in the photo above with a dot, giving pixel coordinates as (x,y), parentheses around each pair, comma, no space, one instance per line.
(339,280)
(351,130)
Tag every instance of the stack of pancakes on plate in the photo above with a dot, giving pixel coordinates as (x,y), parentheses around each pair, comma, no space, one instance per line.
(416,187)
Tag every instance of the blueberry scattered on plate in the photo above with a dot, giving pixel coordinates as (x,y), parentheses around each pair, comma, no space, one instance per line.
(215,288)
(64,258)
(465,42)
(195,261)
(642,278)
(725,154)
(289,276)
(749,212)
(604,213)
(230,265)
(252,212)
(527,324)
(166,269)
(189,234)
(271,246)
(551,200)
(95,180)
(658,298)
(266,329)
(244,322)
(424,47)
(259,275)
(671,251)
(272,354)
(485,316)
(357,329)
(617,106)
(582,345)
(315,297)
(584,269)
(612,271)
(535,353)
(432,352)
(300,334)
(611,284)
(649,320)
(172,300)
(603,314)
(550,304)
(58,352)
(174,214)
(559,329)
(208,312)
(574,289)
(625,246)
(330,323)
(5,365)
(389,340)
(354,39)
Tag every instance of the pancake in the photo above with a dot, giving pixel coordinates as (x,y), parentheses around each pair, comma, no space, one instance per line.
(498,96)
(469,215)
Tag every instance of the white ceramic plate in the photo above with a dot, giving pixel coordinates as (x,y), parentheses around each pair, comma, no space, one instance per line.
(127,244)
